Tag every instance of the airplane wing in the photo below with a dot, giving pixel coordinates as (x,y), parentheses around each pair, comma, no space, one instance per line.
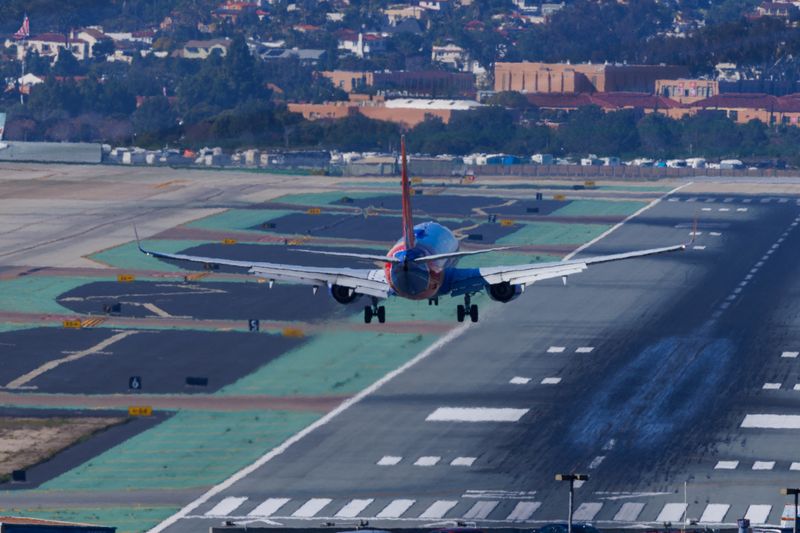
(371,282)
(473,279)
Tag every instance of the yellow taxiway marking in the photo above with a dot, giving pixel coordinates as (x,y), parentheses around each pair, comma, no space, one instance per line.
(50,365)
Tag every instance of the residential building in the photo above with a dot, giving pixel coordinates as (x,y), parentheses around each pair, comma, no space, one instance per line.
(427,83)
(742,108)
(397,14)
(203,49)
(306,56)
(528,77)
(451,55)
(361,44)
(50,44)
(436,5)
(612,101)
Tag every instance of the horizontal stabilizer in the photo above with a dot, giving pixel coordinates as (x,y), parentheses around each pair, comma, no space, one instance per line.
(436,257)
(366,257)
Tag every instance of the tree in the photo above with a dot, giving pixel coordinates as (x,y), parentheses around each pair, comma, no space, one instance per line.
(154,123)
(660,136)
(66,64)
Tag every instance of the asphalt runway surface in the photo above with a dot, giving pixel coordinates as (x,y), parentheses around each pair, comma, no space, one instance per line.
(104,359)
(443,204)
(206,300)
(652,376)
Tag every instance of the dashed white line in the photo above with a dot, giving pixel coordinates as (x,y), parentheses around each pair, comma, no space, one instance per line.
(741,209)
(715,234)
(463,461)
(771,386)
(389,460)
(596,462)
(723,209)
(726,465)
(794,466)
(427,460)
(706,209)
(700,247)
(771,421)
(556,349)
(763,465)
(476,414)
(790,355)
(519,380)
(796,387)
(551,381)
(585,349)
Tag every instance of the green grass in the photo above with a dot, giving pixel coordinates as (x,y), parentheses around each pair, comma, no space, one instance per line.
(552,233)
(190,449)
(333,363)
(588,208)
(37,294)
(128,255)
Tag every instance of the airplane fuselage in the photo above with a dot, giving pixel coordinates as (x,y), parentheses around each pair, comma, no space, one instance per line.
(422,280)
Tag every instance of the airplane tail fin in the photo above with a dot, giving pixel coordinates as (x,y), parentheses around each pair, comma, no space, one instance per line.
(408,222)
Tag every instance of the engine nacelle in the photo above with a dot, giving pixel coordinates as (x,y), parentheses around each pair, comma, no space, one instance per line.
(503,292)
(344,295)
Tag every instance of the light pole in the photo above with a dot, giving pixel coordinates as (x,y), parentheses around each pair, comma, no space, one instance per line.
(792,492)
(572,478)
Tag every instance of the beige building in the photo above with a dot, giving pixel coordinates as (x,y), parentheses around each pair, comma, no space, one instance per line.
(528,77)
(687,91)
(49,45)
(203,49)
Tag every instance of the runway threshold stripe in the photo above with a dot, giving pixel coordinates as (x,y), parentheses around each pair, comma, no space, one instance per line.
(389,460)
(311,507)
(763,465)
(758,514)
(769,421)
(353,508)
(428,460)
(438,509)
(790,355)
(726,465)
(268,507)
(714,513)
(226,506)
(523,511)
(463,461)
(672,512)
(481,510)
(587,511)
(794,466)
(629,512)
(476,414)
(395,509)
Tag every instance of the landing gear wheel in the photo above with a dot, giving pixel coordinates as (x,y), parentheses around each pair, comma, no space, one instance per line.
(368,315)
(473,313)
(381,314)
(460,313)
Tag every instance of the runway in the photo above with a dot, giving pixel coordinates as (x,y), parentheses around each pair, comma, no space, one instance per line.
(641,374)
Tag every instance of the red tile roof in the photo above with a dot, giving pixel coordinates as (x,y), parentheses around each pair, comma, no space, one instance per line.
(738,100)
(614,100)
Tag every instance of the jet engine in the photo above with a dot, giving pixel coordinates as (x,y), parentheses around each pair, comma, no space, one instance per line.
(503,292)
(343,295)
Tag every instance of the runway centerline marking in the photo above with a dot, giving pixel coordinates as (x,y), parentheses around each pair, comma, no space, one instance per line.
(794,466)
(476,414)
(771,386)
(585,349)
(427,460)
(763,465)
(389,460)
(771,421)
(596,462)
(790,355)
(551,381)
(726,465)
(556,349)
(50,365)
(463,461)
(519,380)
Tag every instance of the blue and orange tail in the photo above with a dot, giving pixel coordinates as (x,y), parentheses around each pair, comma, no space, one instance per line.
(408,222)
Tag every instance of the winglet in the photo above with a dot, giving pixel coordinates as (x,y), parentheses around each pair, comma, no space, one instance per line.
(138,241)
(408,222)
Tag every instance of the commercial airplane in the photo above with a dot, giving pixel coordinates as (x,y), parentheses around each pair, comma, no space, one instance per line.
(420,266)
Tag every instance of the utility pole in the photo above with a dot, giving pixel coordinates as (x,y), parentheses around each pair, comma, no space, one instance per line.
(572,478)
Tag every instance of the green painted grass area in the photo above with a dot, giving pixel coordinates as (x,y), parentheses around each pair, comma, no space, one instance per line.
(553,233)
(238,219)
(132,519)
(332,363)
(598,208)
(190,449)
(37,294)
(324,198)
(128,255)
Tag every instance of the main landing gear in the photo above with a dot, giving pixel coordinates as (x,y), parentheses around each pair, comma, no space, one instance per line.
(375,310)
(467,309)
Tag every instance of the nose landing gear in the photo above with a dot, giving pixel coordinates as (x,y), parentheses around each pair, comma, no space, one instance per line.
(374,311)
(467,309)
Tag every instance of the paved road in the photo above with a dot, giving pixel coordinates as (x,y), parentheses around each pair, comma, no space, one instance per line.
(639,373)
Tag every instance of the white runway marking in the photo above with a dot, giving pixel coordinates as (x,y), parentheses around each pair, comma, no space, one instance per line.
(353,508)
(629,512)
(596,462)
(706,209)
(476,414)
(714,513)
(480,510)
(771,386)
(723,209)
(715,234)
(783,200)
(499,494)
(395,509)
(551,381)
(758,514)
(587,511)
(741,209)
(796,386)
(790,355)
(695,233)
(268,507)
(763,465)
(519,380)
(311,507)
(523,511)
(389,460)
(585,349)
(226,506)
(794,466)
(699,247)
(767,421)
(747,200)
(672,512)
(438,509)
(153,308)
(727,200)
(726,465)
(578,484)
(428,460)
(463,461)
(556,349)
